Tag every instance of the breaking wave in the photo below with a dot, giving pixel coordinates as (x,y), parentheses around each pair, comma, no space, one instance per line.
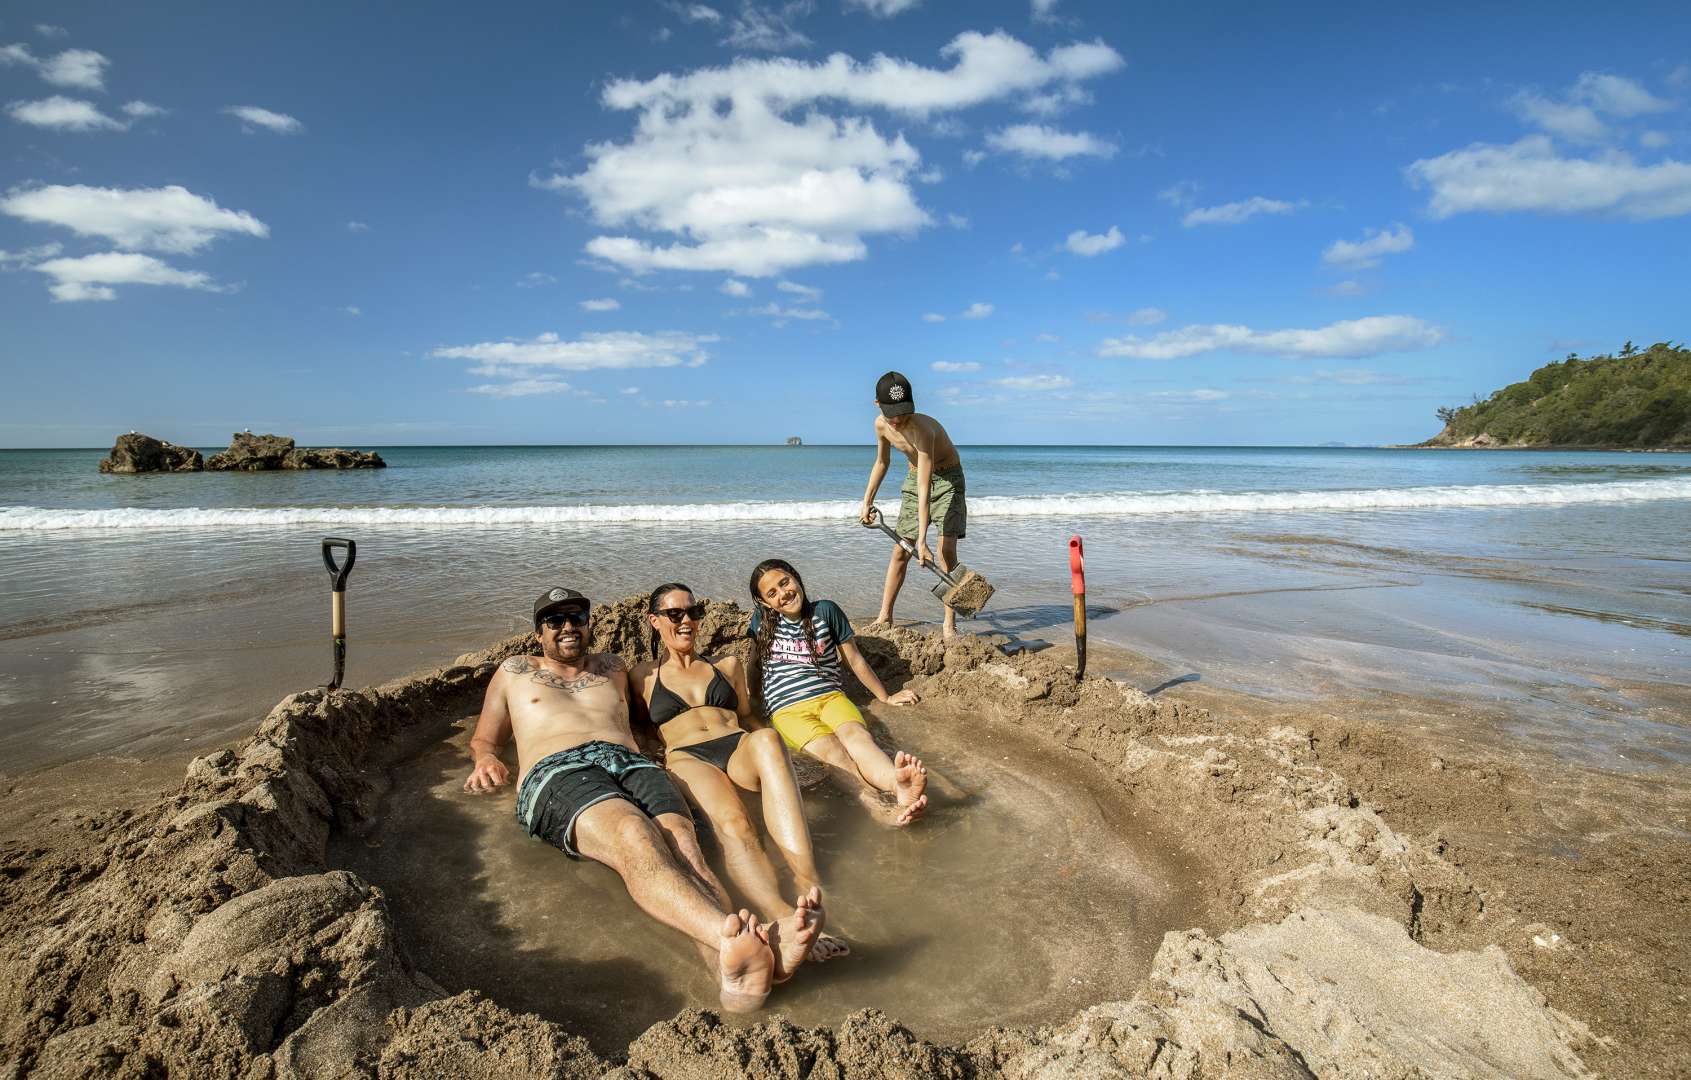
(1120,504)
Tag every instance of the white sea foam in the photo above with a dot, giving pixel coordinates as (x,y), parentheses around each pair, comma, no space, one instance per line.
(1120,504)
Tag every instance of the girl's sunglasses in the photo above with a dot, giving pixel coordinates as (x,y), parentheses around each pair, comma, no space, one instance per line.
(676,614)
(556,620)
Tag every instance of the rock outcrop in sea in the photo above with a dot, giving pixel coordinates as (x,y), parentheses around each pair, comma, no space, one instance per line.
(138,453)
(260,453)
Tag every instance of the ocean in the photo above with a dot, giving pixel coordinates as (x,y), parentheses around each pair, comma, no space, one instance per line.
(143,614)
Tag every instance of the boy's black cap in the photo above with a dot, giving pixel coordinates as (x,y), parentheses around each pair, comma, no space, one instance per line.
(894,396)
(557,598)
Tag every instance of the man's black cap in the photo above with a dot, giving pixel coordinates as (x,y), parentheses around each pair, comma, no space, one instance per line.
(894,396)
(556,599)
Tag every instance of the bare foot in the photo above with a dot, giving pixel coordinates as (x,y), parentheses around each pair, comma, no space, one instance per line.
(910,777)
(828,947)
(791,938)
(744,964)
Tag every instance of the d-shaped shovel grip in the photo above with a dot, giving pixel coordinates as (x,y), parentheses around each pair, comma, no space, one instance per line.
(338,574)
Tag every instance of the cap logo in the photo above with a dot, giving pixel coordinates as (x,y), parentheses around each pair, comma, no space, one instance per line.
(895,392)
(555,594)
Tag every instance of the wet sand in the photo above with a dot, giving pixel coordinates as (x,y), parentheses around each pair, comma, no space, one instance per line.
(1030,889)
(1381,883)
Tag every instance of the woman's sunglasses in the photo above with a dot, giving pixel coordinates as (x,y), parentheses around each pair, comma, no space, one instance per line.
(556,620)
(676,614)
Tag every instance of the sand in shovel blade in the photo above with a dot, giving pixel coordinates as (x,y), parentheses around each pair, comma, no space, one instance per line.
(969,595)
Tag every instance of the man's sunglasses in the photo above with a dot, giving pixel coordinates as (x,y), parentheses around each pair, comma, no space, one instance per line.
(556,620)
(676,614)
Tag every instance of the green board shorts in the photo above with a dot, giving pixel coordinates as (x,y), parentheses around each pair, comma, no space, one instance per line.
(946,505)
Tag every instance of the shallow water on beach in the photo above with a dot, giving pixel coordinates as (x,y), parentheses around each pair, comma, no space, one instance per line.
(1549,588)
(1030,890)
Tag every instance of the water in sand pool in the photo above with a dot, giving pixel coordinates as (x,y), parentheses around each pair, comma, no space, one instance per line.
(1031,889)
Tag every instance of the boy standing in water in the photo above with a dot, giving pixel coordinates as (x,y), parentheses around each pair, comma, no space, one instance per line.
(932,491)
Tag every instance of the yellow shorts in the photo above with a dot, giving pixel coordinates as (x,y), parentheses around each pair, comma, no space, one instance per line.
(813,718)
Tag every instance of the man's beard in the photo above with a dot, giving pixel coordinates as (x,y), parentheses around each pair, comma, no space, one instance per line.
(575,652)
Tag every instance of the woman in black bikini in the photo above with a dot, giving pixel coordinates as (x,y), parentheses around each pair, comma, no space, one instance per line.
(704,714)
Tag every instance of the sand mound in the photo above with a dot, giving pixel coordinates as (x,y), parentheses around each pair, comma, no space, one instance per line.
(206,934)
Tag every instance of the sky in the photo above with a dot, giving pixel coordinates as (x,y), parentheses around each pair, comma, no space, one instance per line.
(675,222)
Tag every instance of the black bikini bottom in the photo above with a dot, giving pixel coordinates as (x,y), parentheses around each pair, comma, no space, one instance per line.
(716,751)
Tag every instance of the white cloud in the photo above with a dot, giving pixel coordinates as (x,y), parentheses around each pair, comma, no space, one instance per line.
(1680,76)
(976,310)
(1529,175)
(1088,244)
(1236,213)
(971,158)
(932,316)
(1376,243)
(171,219)
(80,69)
(1202,393)
(1047,339)
(607,304)
(957,221)
(525,364)
(629,390)
(1052,102)
(90,277)
(1044,10)
(733,287)
(1035,382)
(768,28)
(524,387)
(1577,115)
(1345,288)
(1351,339)
(1039,141)
(1184,193)
(1146,316)
(810,294)
(353,309)
(251,116)
(141,110)
(14,259)
(63,114)
(1654,140)
(683,403)
(782,314)
(48,30)
(882,9)
(698,13)
(357,226)
(743,172)
(955,366)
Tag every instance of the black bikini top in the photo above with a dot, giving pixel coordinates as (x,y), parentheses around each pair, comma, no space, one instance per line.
(667,704)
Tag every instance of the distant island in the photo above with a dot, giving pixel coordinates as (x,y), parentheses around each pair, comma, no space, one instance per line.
(794,440)
(1631,400)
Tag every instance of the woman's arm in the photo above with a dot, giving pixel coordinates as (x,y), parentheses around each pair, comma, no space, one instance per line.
(746,711)
(647,735)
(872,682)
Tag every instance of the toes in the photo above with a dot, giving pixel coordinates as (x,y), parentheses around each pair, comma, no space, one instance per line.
(731,926)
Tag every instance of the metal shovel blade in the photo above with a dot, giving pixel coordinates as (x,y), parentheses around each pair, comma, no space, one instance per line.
(966,592)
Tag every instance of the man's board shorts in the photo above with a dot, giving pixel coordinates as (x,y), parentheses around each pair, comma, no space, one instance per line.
(813,718)
(946,506)
(562,786)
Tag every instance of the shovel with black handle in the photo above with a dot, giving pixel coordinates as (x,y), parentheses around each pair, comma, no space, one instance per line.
(337,599)
(961,589)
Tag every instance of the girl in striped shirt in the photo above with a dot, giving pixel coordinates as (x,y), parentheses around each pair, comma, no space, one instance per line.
(799,645)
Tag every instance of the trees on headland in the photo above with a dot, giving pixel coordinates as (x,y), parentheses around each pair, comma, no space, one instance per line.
(1633,399)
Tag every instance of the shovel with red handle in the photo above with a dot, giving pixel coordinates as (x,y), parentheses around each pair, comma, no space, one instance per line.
(1077,581)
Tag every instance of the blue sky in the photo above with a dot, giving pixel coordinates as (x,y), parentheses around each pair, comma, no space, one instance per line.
(688,222)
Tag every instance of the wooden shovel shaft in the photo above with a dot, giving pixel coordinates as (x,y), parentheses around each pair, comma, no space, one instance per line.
(1080,633)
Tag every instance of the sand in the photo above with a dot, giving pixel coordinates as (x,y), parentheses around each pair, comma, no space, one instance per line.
(1371,898)
(969,595)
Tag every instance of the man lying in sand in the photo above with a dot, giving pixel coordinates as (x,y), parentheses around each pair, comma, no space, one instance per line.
(932,485)
(586,790)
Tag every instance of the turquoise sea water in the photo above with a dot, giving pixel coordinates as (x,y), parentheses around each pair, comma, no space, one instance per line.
(145,611)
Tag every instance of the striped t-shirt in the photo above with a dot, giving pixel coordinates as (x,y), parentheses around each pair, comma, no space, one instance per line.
(792,674)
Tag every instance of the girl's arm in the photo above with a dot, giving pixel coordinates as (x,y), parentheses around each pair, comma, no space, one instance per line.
(872,682)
